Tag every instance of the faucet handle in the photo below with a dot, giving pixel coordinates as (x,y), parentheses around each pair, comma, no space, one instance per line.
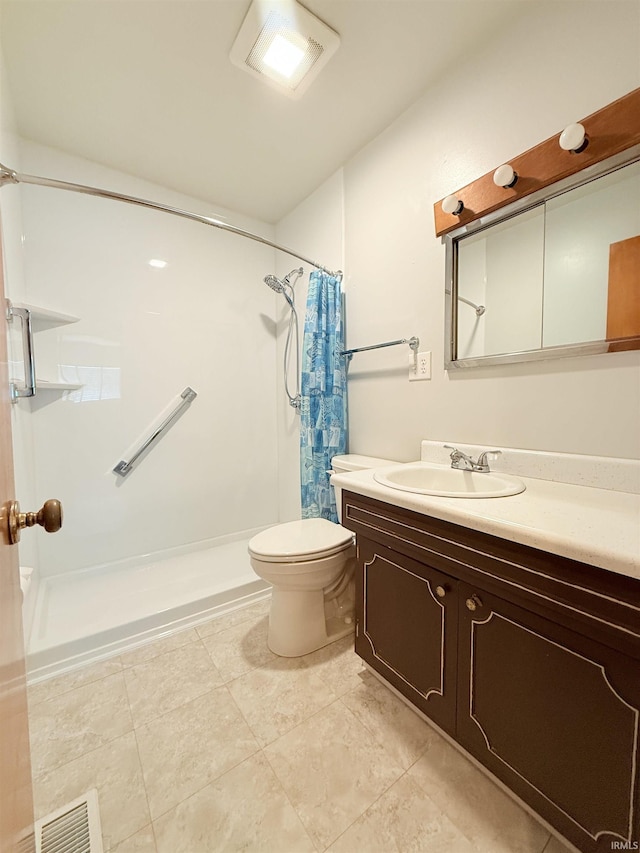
(451,447)
(486,454)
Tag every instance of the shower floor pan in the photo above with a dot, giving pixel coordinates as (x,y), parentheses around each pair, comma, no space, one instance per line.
(91,614)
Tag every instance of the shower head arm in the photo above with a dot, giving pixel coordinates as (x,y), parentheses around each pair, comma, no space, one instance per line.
(297,272)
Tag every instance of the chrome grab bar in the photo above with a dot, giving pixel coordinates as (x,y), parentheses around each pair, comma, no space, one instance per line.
(123,467)
(29,389)
(413,342)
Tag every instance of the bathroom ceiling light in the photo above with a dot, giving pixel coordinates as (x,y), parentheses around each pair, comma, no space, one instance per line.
(283,56)
(157,263)
(283,44)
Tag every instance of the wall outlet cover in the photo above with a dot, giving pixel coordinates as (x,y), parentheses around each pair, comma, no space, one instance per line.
(420,368)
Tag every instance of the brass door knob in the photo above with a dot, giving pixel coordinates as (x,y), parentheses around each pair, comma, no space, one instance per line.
(474,602)
(441,591)
(49,517)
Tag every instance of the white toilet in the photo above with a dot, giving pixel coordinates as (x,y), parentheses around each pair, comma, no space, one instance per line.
(310,564)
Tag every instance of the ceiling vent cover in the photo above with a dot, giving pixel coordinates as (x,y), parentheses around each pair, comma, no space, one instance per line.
(75,828)
(283,44)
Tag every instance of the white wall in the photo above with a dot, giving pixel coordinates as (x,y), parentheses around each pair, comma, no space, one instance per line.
(555,65)
(144,334)
(315,229)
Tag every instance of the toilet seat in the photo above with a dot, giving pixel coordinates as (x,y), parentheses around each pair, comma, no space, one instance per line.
(300,541)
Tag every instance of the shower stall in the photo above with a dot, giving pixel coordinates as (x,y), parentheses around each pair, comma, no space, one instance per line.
(131,308)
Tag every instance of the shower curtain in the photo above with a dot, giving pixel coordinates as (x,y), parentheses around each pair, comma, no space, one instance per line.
(323,409)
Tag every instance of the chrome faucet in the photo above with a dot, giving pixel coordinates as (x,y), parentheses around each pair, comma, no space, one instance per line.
(463,462)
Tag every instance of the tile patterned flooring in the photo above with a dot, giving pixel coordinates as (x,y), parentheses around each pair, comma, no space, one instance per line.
(205,741)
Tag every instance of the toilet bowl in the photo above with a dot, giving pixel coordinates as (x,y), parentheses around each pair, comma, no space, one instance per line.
(310,565)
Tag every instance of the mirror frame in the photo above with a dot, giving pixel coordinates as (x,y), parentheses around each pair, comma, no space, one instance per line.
(452,239)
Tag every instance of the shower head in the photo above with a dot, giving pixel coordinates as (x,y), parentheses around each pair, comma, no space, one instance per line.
(274,283)
(279,285)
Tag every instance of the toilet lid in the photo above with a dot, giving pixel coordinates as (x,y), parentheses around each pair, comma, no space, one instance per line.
(298,539)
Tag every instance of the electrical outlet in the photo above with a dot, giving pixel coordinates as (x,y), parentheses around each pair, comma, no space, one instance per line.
(420,368)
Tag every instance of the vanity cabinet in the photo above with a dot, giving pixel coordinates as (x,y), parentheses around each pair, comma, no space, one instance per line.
(406,628)
(530,661)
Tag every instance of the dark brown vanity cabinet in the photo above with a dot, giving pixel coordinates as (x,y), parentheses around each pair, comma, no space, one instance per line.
(529,660)
(407,628)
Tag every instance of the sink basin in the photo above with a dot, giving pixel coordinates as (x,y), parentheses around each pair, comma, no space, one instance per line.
(424,478)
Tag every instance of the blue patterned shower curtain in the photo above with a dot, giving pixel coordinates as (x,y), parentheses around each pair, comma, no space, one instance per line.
(323,409)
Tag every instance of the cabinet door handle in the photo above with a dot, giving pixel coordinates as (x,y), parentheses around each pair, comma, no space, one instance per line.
(474,602)
(441,591)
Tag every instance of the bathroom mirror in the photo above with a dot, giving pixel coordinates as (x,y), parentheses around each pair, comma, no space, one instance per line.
(556,273)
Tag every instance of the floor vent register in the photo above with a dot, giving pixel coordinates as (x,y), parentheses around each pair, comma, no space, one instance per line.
(74,828)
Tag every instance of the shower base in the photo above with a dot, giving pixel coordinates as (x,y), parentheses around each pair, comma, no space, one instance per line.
(91,614)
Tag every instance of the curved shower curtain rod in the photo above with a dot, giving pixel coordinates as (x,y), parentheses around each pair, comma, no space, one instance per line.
(479,309)
(8,176)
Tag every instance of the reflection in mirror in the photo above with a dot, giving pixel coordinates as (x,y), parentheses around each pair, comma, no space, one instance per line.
(580,228)
(501,268)
(562,271)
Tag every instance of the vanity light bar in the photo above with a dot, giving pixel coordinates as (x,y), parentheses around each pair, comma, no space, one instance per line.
(603,134)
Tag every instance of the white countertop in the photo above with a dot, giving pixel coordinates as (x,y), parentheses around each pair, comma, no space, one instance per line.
(596,526)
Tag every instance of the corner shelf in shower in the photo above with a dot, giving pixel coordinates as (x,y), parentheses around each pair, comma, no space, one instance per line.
(43,319)
(46,385)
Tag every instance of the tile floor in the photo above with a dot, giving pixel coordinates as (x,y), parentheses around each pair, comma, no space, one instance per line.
(205,741)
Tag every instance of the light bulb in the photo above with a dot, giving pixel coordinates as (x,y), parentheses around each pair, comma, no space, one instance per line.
(573,137)
(283,56)
(452,205)
(504,176)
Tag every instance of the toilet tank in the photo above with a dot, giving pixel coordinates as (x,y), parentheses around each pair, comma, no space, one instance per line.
(342,463)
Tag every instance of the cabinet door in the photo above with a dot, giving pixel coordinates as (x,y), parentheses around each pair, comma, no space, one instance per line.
(407,628)
(554,715)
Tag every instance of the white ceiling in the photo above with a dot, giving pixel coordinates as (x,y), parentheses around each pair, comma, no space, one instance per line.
(147,87)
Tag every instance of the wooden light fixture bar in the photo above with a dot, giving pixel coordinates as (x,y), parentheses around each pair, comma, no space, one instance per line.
(611,130)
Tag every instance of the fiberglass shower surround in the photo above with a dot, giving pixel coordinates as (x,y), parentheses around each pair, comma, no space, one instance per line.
(167,545)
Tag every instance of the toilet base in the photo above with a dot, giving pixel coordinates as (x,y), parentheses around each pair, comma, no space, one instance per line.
(298,623)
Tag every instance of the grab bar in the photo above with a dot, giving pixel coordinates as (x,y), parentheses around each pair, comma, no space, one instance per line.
(29,389)
(123,467)
(413,342)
